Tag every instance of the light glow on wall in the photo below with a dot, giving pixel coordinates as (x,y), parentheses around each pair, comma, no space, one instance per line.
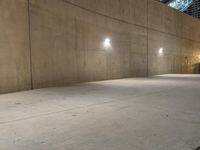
(161,50)
(107,43)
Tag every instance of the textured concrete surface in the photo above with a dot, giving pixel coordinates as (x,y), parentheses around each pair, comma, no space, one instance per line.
(67,36)
(14,46)
(67,45)
(159,113)
(47,43)
(178,34)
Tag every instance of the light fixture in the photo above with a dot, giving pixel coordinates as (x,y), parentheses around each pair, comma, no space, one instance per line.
(107,43)
(160,51)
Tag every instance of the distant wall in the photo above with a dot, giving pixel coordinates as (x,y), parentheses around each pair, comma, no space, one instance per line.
(59,42)
(178,34)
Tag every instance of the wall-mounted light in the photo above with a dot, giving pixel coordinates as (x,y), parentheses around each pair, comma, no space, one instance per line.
(107,43)
(161,50)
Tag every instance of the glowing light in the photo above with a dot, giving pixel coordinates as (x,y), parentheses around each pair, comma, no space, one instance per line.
(160,51)
(107,43)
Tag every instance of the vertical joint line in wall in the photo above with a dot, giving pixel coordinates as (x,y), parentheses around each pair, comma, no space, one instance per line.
(76,47)
(29,33)
(181,48)
(147,38)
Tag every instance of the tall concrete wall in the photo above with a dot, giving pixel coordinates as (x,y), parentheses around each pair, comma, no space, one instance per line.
(14,46)
(178,34)
(66,39)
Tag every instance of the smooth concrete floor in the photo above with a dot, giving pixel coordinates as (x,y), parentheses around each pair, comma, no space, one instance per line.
(159,113)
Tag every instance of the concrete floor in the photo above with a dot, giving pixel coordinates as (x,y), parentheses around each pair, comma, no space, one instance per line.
(160,113)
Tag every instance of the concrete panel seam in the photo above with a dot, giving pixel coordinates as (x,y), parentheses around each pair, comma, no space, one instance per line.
(29,32)
(147,39)
(101,14)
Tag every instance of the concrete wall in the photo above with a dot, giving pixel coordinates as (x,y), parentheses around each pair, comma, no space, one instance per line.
(66,39)
(178,34)
(14,46)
